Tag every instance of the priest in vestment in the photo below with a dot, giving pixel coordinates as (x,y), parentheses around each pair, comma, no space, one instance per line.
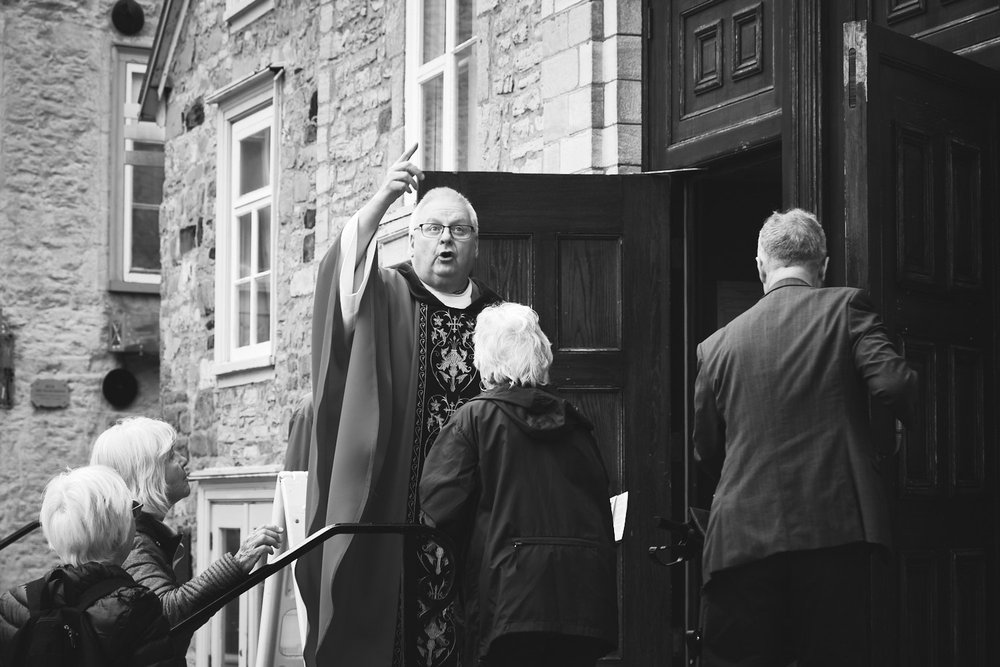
(391,360)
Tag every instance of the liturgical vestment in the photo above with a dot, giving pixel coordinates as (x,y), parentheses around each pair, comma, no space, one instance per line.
(390,363)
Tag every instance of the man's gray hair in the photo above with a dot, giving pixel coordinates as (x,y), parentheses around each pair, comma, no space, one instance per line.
(436,195)
(792,238)
(137,448)
(510,348)
(86,515)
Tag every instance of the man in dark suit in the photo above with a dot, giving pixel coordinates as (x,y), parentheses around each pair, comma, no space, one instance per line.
(781,420)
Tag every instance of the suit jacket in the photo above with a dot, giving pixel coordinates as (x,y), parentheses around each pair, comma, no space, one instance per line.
(781,419)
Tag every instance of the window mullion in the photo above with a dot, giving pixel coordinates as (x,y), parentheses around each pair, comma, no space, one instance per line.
(234,276)
(450,101)
(252,272)
(127,187)
(450,21)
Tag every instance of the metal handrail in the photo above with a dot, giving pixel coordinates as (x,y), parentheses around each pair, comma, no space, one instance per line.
(410,532)
(18,534)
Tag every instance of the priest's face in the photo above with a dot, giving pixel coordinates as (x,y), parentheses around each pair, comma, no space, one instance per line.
(444,262)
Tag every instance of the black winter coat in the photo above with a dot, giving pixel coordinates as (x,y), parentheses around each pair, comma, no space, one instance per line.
(517,479)
(129,621)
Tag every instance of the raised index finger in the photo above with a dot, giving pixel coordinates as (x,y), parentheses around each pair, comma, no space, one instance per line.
(408,153)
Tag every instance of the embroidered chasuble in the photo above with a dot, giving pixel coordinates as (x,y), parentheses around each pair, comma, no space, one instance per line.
(390,365)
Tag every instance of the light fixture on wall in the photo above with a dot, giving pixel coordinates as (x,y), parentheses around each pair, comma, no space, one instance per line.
(127,17)
(120,387)
(6,364)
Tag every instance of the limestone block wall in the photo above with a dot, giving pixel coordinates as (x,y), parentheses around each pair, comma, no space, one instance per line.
(55,110)
(558,88)
(592,85)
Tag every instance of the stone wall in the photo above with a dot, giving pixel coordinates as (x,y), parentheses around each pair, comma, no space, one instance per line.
(247,423)
(55,110)
(344,62)
(592,85)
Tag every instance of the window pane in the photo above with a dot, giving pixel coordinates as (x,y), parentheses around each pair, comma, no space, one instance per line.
(432,93)
(244,226)
(264,239)
(135,86)
(231,613)
(147,146)
(145,240)
(243,314)
(263,309)
(463,30)
(147,184)
(464,112)
(434,13)
(255,161)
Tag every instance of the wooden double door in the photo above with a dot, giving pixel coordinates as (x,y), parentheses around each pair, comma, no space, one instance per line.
(920,161)
(591,255)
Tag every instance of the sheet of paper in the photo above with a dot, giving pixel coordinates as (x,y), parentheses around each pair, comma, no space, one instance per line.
(619,508)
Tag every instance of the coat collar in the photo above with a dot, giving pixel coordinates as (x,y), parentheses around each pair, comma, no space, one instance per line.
(162,535)
(480,292)
(788,282)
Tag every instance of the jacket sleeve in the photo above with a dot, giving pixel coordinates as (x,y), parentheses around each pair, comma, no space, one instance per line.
(13,614)
(141,633)
(890,380)
(709,427)
(450,479)
(150,567)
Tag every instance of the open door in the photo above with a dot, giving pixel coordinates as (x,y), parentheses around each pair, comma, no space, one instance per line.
(591,255)
(920,131)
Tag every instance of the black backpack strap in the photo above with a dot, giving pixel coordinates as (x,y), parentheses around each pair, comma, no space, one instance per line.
(34,592)
(99,590)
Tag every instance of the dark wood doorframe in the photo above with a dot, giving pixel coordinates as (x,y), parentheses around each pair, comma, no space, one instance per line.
(802,107)
(920,145)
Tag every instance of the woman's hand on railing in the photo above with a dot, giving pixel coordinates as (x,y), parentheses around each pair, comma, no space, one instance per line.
(262,541)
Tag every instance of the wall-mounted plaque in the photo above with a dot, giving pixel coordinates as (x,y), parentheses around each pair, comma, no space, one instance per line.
(50,394)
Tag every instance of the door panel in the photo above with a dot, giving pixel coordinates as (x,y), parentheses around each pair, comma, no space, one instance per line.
(920,163)
(590,255)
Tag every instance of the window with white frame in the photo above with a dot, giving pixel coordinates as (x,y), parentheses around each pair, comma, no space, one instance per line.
(440,82)
(246,200)
(137,182)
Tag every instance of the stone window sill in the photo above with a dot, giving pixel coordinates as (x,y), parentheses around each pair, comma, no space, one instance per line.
(244,371)
(242,16)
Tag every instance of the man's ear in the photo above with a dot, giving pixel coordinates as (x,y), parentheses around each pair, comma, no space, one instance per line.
(822,270)
(761,270)
(411,244)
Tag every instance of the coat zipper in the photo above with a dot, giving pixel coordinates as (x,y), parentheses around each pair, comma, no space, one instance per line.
(555,541)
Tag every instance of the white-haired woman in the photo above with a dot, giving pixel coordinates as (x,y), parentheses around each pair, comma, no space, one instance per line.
(517,479)
(87,518)
(144,453)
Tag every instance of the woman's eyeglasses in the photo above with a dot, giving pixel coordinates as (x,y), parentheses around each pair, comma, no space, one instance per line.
(136,508)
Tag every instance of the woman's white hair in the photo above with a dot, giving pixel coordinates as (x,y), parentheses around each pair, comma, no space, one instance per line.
(510,348)
(87,515)
(138,447)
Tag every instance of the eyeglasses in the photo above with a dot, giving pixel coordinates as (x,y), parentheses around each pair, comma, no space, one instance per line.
(136,508)
(432,230)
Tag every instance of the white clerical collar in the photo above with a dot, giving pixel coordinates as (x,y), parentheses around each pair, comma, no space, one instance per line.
(462,299)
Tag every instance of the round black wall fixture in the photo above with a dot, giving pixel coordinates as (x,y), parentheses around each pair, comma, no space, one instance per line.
(127,17)
(120,388)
